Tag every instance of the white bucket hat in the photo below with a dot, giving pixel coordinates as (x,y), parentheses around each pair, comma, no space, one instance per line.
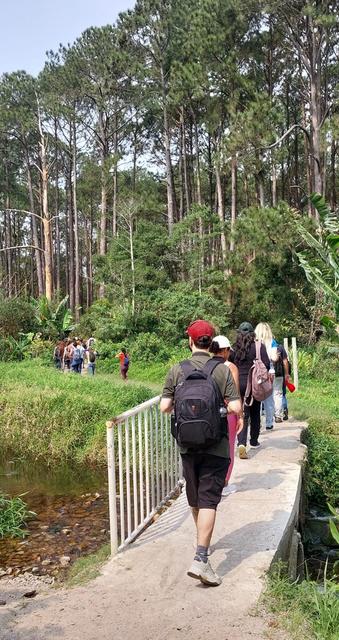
(223,342)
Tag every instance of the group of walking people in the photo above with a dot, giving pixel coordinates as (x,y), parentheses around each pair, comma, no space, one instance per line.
(214,401)
(73,354)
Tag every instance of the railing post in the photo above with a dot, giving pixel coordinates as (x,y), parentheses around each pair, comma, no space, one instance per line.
(295,363)
(112,490)
(286,346)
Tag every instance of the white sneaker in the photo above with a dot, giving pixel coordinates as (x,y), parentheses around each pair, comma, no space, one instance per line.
(203,571)
(230,488)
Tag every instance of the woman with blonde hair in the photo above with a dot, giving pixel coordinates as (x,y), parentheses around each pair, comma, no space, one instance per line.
(273,404)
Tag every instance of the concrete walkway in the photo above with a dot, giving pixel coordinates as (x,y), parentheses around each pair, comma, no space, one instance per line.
(145,594)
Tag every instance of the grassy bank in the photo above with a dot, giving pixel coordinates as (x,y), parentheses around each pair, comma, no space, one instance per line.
(310,610)
(53,417)
(305,610)
(317,402)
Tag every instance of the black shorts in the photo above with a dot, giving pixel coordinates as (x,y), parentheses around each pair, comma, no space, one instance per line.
(205,478)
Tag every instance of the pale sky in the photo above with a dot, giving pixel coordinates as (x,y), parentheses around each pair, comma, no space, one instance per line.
(31,27)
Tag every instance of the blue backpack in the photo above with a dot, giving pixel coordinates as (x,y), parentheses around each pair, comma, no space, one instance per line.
(126,361)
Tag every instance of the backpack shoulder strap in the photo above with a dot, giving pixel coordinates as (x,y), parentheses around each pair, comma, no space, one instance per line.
(257,350)
(211,364)
(187,367)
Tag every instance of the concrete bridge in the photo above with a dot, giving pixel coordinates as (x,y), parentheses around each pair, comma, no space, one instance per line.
(143,593)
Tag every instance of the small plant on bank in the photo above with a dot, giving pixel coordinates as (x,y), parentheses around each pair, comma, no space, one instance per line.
(307,610)
(13,516)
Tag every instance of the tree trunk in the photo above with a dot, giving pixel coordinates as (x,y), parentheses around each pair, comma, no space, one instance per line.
(45,215)
(184,160)
(220,210)
(35,235)
(171,207)
(197,159)
(76,229)
(70,254)
(234,200)
(57,224)
(132,263)
(8,235)
(115,176)
(333,193)
(274,184)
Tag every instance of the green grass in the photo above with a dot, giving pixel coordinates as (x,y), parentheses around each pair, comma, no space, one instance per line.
(13,516)
(317,402)
(54,418)
(305,610)
(309,610)
(88,568)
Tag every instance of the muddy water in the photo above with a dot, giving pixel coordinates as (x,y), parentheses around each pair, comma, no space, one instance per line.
(71,508)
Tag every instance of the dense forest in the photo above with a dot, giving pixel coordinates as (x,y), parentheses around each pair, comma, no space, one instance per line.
(161,167)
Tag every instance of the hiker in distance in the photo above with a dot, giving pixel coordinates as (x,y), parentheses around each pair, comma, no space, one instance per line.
(198,390)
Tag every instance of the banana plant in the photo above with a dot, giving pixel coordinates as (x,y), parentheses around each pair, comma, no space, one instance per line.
(53,321)
(320,260)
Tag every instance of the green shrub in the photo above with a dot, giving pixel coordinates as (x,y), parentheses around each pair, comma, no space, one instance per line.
(181,304)
(16,316)
(13,516)
(322,474)
(148,347)
(42,349)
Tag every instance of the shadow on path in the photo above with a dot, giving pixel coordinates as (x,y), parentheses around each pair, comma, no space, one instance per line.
(250,539)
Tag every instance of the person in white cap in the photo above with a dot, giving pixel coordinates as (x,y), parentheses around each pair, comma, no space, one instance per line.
(220,348)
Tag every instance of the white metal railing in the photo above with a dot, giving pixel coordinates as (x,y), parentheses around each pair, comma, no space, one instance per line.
(144,469)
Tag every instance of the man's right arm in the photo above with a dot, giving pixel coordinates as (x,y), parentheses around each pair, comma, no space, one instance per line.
(166,402)
(232,396)
(166,405)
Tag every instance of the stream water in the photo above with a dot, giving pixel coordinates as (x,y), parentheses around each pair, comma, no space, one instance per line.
(71,507)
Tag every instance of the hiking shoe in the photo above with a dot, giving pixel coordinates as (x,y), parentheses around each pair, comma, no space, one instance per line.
(255,446)
(230,488)
(242,452)
(203,571)
(278,419)
(285,416)
(269,428)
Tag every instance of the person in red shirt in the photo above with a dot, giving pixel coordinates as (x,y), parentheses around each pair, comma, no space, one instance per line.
(124,363)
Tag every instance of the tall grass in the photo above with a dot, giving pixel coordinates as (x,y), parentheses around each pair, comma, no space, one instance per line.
(53,418)
(13,516)
(306,610)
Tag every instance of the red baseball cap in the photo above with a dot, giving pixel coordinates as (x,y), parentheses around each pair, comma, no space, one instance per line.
(200,328)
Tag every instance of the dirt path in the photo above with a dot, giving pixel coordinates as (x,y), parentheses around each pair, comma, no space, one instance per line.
(145,594)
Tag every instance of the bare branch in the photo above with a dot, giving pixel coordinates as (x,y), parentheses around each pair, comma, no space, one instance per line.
(287,133)
(23,246)
(27,213)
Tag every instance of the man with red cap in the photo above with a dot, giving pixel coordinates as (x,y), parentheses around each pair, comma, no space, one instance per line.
(204,470)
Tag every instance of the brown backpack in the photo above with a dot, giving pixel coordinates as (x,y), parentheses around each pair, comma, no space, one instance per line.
(259,383)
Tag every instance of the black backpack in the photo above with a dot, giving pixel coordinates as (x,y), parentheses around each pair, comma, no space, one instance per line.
(199,411)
